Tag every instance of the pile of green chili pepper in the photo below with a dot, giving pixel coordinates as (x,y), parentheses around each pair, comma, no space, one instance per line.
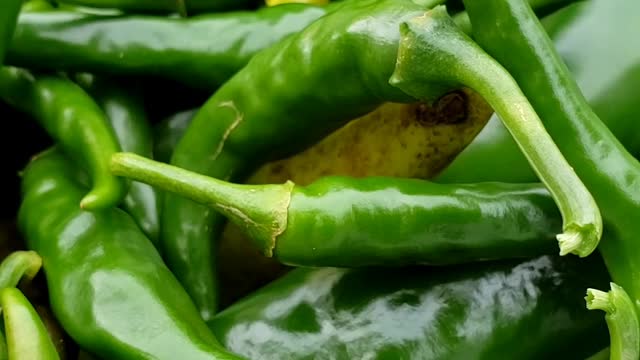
(312,179)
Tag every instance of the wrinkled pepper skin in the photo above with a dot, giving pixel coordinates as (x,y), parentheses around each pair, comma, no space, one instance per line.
(9,10)
(107,284)
(245,133)
(203,51)
(529,309)
(184,7)
(74,120)
(608,169)
(26,334)
(126,114)
(596,40)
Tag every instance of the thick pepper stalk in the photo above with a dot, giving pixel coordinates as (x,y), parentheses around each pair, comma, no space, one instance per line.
(611,174)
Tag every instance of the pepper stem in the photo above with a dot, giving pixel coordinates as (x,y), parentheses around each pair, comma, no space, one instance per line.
(434,57)
(260,210)
(19,265)
(621,320)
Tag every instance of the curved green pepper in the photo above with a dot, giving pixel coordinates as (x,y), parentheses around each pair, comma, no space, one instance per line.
(126,114)
(349,222)
(344,60)
(595,38)
(527,309)
(27,337)
(107,284)
(9,10)
(244,134)
(73,119)
(609,171)
(204,51)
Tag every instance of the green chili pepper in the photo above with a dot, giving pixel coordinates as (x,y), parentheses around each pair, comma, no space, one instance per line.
(178,49)
(107,284)
(184,7)
(9,10)
(27,337)
(348,59)
(352,49)
(621,319)
(348,222)
(526,309)
(73,119)
(126,114)
(595,38)
(461,61)
(609,171)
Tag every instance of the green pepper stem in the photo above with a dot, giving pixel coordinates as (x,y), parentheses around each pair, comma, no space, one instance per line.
(17,266)
(621,319)
(434,57)
(260,210)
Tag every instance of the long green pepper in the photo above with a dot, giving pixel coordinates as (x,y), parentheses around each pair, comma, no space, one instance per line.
(74,120)
(178,49)
(366,33)
(107,284)
(351,222)
(524,309)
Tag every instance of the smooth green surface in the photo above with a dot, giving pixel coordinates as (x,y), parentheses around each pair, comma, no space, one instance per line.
(435,57)
(202,51)
(167,133)
(527,309)
(126,114)
(9,10)
(108,286)
(74,120)
(27,337)
(341,64)
(349,222)
(601,161)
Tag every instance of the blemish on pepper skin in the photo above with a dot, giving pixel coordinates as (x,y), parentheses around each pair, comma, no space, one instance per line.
(238,119)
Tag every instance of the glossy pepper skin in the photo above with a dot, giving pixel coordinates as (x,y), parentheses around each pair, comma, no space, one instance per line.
(595,40)
(183,7)
(244,135)
(610,172)
(74,120)
(9,10)
(167,133)
(126,114)
(203,51)
(27,337)
(384,221)
(526,309)
(108,286)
